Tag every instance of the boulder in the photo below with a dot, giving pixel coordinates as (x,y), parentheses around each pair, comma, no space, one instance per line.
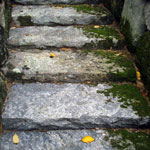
(147,15)
(132,22)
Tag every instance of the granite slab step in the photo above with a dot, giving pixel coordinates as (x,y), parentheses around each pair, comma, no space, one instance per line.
(37,2)
(74,106)
(69,66)
(76,37)
(71,140)
(60,15)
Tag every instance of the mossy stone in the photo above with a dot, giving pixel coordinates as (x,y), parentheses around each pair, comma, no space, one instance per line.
(25,21)
(124,139)
(143,57)
(129,95)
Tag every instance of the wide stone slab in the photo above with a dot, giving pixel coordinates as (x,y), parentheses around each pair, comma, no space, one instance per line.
(74,106)
(71,140)
(37,2)
(60,15)
(69,66)
(76,37)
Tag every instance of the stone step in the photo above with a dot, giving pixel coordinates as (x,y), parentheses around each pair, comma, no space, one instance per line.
(76,37)
(37,2)
(71,140)
(60,15)
(74,106)
(69,66)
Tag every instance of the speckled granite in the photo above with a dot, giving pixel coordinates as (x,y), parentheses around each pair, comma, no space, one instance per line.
(64,67)
(66,106)
(56,15)
(45,37)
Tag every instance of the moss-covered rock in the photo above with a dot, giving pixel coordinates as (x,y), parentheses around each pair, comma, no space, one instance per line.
(143,57)
(128,139)
(121,60)
(130,96)
(3,91)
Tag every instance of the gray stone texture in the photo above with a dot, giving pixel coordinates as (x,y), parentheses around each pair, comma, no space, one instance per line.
(147,14)
(133,12)
(46,37)
(66,140)
(66,106)
(56,15)
(52,1)
(64,67)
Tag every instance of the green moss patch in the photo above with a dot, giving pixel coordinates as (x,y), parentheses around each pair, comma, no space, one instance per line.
(129,73)
(110,36)
(25,21)
(123,139)
(129,95)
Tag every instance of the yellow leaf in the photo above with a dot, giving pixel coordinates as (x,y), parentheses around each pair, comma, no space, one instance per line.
(59,7)
(96,27)
(87,139)
(15,139)
(52,55)
(138,75)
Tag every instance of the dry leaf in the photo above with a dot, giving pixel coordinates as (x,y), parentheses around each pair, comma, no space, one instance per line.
(59,7)
(138,75)
(96,27)
(27,34)
(15,139)
(87,139)
(52,55)
(88,82)
(65,49)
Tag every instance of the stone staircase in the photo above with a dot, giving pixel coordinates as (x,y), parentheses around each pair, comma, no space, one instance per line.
(71,78)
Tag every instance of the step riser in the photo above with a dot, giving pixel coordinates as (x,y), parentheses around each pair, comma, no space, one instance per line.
(49,37)
(46,15)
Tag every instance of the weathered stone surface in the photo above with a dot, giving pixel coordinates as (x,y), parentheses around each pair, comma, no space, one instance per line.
(71,140)
(147,15)
(68,106)
(45,37)
(133,13)
(52,1)
(46,15)
(68,66)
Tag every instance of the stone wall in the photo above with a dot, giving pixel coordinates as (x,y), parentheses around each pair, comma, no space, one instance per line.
(3,59)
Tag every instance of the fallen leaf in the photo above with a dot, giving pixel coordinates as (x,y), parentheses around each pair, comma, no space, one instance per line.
(52,55)
(15,139)
(27,34)
(88,82)
(138,75)
(87,139)
(65,49)
(96,27)
(59,7)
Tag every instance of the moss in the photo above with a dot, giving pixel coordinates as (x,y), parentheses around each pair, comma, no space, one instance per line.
(3,91)
(129,73)
(129,95)
(7,16)
(143,57)
(90,9)
(123,139)
(25,21)
(109,34)
(126,30)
